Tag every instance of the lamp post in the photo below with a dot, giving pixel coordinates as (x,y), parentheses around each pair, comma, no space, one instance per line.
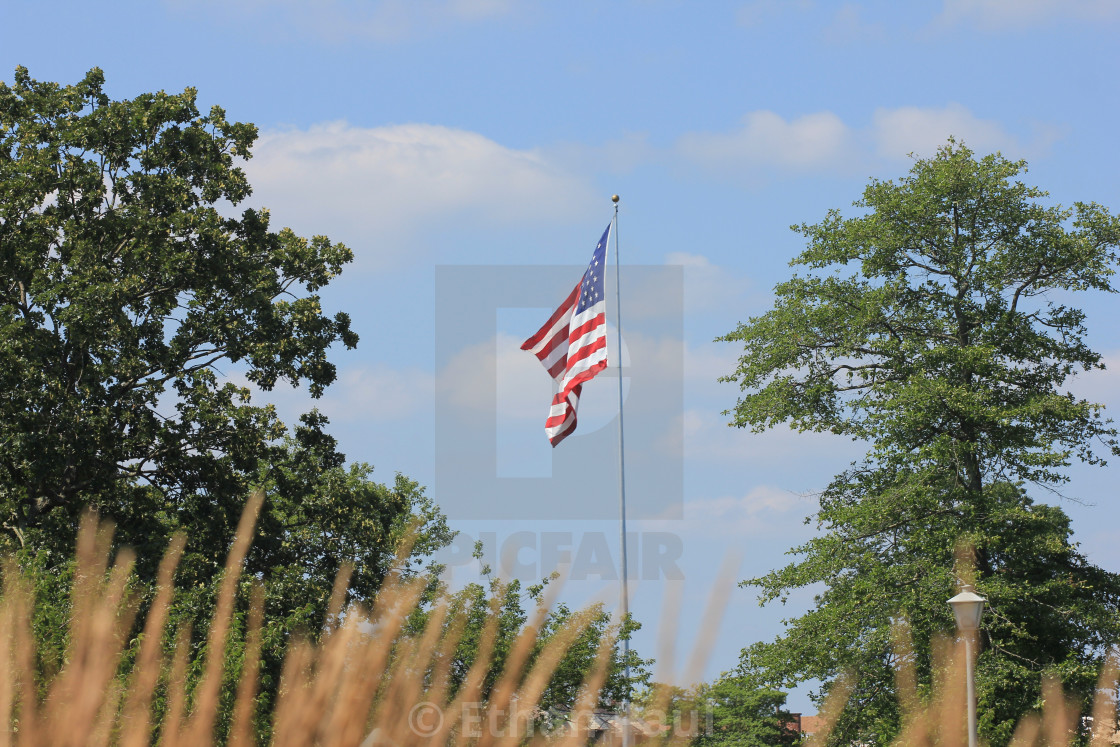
(968,607)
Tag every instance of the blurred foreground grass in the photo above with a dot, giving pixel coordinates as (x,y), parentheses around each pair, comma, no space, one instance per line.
(368,682)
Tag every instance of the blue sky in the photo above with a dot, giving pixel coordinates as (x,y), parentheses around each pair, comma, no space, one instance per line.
(439,133)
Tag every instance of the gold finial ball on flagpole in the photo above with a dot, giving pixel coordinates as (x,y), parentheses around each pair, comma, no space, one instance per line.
(614,199)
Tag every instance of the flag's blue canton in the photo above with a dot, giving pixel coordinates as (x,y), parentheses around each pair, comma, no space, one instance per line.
(591,288)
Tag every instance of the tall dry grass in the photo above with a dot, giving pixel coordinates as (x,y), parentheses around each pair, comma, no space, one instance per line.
(941,720)
(368,683)
(365,682)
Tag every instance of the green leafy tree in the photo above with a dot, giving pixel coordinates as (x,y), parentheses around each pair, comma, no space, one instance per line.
(515,606)
(935,326)
(127,277)
(579,659)
(679,712)
(731,712)
(743,715)
(123,287)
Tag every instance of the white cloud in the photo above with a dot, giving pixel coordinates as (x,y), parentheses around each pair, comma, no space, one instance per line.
(768,145)
(848,26)
(812,142)
(374,188)
(1100,386)
(845,26)
(763,510)
(812,457)
(343,20)
(998,15)
(912,129)
(378,392)
(704,363)
(688,261)
(519,383)
(360,393)
(709,287)
(756,512)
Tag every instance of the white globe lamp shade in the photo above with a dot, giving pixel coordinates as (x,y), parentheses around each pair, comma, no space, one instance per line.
(968,606)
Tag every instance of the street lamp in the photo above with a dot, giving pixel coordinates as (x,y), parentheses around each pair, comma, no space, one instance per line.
(968,606)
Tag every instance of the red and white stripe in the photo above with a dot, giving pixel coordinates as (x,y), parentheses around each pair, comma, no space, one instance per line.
(573,349)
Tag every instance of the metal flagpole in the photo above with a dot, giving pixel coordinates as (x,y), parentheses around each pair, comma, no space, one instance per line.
(625,596)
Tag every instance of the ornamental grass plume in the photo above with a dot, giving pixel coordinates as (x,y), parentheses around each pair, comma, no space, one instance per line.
(938,715)
(369,681)
(941,719)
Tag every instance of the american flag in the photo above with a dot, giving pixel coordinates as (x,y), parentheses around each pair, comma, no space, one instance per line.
(572,344)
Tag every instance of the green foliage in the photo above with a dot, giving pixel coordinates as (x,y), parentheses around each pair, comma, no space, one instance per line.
(579,659)
(127,276)
(122,284)
(471,607)
(946,346)
(731,712)
(679,712)
(50,621)
(746,716)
